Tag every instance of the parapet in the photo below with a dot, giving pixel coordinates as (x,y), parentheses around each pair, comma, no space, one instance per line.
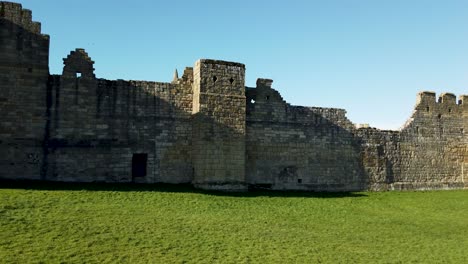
(16,14)
(446,103)
(444,98)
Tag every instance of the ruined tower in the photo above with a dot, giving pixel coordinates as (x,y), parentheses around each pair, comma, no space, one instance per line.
(219,125)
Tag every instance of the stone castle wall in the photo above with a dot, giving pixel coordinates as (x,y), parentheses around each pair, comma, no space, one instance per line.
(205,128)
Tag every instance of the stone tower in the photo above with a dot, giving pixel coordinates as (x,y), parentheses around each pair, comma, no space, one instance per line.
(219,125)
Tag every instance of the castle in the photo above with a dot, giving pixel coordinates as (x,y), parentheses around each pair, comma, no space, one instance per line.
(206,128)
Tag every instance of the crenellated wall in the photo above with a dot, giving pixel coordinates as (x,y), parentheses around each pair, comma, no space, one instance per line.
(433,144)
(429,152)
(205,128)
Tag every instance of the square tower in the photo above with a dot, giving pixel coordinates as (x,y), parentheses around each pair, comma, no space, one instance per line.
(219,105)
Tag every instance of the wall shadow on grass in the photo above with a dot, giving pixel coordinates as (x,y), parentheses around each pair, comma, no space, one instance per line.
(161,187)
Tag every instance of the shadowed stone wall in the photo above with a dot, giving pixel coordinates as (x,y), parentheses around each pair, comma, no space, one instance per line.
(24,73)
(301,148)
(205,128)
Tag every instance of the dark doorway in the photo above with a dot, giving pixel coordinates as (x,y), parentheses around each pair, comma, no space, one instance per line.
(139,165)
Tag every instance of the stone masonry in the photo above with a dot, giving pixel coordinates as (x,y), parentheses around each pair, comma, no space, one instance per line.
(205,128)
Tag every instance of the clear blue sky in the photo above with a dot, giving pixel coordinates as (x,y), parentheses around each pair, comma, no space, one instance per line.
(369,57)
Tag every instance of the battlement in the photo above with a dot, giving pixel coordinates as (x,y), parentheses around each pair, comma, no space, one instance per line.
(426,97)
(445,103)
(448,98)
(16,14)
(463,100)
(444,98)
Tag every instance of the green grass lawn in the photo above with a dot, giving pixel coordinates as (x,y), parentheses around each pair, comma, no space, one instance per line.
(53,223)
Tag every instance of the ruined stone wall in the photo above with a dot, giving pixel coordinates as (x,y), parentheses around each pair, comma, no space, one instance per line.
(292,147)
(24,73)
(99,126)
(205,128)
(299,148)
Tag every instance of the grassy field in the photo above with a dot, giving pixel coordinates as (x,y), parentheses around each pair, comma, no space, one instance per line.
(91,223)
